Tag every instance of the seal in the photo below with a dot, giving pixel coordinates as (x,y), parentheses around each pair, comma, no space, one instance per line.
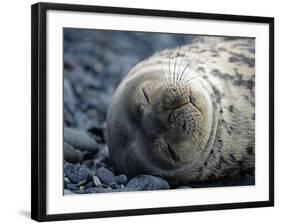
(187,114)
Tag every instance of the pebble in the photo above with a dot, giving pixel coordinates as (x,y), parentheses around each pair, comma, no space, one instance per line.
(96,181)
(72,187)
(90,190)
(82,120)
(121,179)
(147,182)
(69,98)
(114,185)
(78,176)
(80,139)
(103,190)
(88,185)
(66,180)
(83,182)
(105,176)
(71,154)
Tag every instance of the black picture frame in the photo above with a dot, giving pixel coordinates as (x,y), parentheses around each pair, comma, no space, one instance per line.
(39,122)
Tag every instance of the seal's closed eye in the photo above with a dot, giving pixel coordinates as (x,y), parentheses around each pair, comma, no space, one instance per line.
(146,95)
(192,99)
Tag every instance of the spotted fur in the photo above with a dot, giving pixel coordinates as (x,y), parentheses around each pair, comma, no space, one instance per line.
(228,66)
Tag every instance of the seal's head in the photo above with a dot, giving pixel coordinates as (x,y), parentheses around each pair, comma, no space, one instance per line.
(160,119)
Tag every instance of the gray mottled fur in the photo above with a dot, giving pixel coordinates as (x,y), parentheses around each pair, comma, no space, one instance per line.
(228,66)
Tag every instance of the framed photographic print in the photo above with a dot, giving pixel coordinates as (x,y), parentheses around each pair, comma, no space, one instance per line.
(138,111)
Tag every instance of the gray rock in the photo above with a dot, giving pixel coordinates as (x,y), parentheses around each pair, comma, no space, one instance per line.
(121,179)
(88,185)
(114,185)
(82,182)
(66,180)
(71,154)
(69,171)
(105,175)
(96,181)
(76,166)
(78,176)
(82,120)
(69,98)
(109,190)
(68,117)
(103,190)
(72,187)
(90,190)
(80,139)
(80,191)
(147,182)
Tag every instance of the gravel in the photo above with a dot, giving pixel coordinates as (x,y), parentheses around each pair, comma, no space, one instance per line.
(105,175)
(148,182)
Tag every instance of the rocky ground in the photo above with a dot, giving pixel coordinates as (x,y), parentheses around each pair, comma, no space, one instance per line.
(94,64)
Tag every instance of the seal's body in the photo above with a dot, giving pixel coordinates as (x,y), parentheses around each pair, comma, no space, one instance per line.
(187,114)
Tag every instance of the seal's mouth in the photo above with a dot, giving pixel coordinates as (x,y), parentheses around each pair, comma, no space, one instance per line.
(174,109)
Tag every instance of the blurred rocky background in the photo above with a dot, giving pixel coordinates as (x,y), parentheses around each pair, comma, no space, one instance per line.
(95,61)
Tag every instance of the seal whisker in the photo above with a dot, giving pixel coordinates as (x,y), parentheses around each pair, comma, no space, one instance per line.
(188,82)
(182,73)
(164,77)
(175,65)
(177,82)
(170,74)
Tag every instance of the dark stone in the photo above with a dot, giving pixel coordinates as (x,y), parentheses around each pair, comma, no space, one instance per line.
(77,176)
(72,187)
(68,97)
(66,181)
(114,185)
(103,190)
(80,191)
(71,154)
(80,139)
(121,179)
(105,175)
(147,182)
(90,190)
(88,185)
(68,166)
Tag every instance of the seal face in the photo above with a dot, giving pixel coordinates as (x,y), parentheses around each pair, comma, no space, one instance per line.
(171,115)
